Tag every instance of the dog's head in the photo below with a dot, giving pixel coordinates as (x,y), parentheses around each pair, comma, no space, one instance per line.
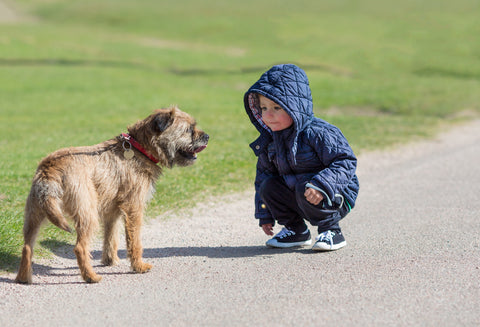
(171,135)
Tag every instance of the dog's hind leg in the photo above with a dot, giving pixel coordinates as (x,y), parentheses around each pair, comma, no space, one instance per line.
(82,252)
(110,242)
(33,220)
(133,224)
(86,221)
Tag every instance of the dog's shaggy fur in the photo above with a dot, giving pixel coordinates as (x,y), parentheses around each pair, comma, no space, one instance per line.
(99,184)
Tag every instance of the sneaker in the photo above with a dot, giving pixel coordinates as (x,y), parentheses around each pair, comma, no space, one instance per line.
(287,238)
(329,241)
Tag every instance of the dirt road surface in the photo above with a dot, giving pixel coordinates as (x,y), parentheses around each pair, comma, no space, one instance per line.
(412,259)
(8,14)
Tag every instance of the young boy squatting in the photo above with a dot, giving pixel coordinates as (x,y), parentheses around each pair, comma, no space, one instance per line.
(305,168)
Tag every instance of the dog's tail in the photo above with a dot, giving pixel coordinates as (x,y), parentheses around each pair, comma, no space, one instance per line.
(47,194)
(55,215)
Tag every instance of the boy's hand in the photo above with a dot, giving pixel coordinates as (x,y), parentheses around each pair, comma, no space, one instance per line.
(313,196)
(268,229)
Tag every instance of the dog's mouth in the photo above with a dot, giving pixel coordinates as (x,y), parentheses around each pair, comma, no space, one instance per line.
(192,155)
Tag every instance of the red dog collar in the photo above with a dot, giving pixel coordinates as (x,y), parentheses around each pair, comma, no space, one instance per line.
(128,138)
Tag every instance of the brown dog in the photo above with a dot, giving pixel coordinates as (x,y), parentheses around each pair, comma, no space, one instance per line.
(106,182)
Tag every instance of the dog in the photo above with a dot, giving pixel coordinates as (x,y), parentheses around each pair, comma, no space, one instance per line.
(105,183)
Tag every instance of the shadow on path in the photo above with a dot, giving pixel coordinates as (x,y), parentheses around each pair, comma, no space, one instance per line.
(65,250)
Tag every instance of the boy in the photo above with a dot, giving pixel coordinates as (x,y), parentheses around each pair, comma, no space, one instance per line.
(305,168)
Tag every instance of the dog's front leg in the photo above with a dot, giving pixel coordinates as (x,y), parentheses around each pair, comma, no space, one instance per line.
(133,223)
(110,241)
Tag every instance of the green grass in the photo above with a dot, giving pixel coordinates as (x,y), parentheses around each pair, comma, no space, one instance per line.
(78,72)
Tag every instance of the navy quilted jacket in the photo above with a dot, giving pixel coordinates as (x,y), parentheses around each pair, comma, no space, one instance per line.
(310,150)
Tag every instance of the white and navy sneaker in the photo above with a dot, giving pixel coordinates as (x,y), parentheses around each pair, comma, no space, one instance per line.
(287,238)
(329,241)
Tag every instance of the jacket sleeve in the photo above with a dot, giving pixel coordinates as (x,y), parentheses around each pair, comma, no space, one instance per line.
(261,211)
(264,170)
(339,161)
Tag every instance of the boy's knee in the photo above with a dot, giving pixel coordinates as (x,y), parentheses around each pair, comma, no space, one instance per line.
(300,191)
(267,186)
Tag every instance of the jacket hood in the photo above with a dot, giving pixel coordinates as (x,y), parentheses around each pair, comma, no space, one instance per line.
(288,86)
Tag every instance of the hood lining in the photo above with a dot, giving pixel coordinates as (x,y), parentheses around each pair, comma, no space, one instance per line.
(253,104)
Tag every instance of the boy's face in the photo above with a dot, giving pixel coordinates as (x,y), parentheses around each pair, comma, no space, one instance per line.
(273,115)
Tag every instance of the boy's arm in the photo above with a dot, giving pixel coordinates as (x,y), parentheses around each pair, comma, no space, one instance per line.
(265,169)
(337,156)
(261,212)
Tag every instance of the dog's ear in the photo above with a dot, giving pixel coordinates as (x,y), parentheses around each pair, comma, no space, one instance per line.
(163,120)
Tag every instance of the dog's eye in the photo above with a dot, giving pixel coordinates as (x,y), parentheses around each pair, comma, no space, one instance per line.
(191,129)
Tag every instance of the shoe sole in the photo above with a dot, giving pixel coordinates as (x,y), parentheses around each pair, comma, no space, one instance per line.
(327,247)
(275,244)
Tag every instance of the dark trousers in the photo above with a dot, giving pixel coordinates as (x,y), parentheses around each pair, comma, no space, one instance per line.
(290,207)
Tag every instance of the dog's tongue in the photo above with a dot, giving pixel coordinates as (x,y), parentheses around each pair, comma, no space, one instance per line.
(200,149)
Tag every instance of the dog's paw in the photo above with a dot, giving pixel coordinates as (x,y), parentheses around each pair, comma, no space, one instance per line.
(93,279)
(24,276)
(142,267)
(107,261)
(21,280)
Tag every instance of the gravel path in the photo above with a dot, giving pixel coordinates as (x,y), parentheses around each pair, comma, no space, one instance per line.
(413,258)
(8,14)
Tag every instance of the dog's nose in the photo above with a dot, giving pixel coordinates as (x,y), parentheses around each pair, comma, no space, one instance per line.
(206,137)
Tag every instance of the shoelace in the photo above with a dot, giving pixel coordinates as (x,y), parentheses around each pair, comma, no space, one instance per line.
(285,232)
(326,237)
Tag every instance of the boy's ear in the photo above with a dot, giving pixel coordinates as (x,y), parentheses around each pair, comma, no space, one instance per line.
(164,119)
